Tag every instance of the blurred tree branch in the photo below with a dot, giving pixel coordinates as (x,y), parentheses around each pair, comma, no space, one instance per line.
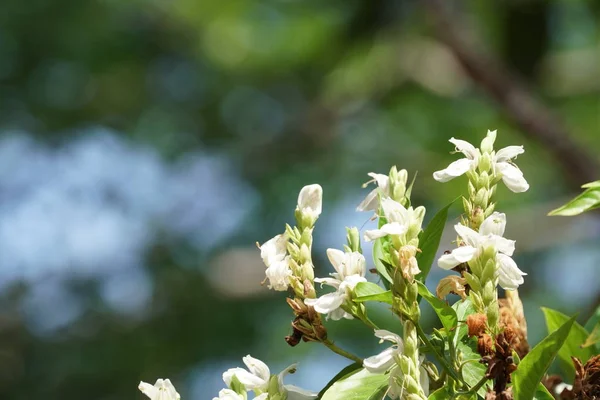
(511,94)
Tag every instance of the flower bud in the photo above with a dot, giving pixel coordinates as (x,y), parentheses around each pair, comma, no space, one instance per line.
(481,197)
(398,184)
(353,239)
(310,205)
(483,180)
(487,144)
(485,162)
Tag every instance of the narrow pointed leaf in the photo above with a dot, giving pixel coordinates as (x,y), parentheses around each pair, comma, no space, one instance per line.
(444,312)
(368,291)
(429,241)
(361,385)
(534,365)
(572,346)
(586,201)
(347,371)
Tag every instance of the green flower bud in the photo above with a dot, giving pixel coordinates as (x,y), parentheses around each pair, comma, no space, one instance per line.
(484,180)
(487,144)
(467,206)
(481,197)
(485,162)
(353,239)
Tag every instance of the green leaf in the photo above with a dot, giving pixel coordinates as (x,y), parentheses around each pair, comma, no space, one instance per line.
(440,394)
(586,201)
(472,371)
(572,346)
(445,313)
(368,291)
(593,321)
(595,184)
(378,256)
(429,241)
(542,393)
(463,309)
(361,385)
(534,365)
(345,372)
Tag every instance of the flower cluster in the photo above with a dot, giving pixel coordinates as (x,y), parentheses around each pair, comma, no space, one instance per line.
(163,389)
(257,378)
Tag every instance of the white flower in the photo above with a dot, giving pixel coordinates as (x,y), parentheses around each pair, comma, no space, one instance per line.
(162,390)
(490,234)
(399,219)
(228,394)
(350,270)
(274,255)
(293,392)
(274,249)
(279,274)
(383,361)
(310,201)
(371,202)
(501,164)
(255,378)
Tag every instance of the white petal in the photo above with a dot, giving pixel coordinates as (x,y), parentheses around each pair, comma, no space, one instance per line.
(336,258)
(338,314)
(310,199)
(274,249)
(250,381)
(510,276)
(381,179)
(494,224)
(386,335)
(456,168)
(354,264)
(296,393)
(508,153)
(263,396)
(457,256)
(327,303)
(279,274)
(228,394)
(351,281)
(394,211)
(505,246)
(381,362)
(257,367)
(148,390)
(468,235)
(465,147)
(328,281)
(370,203)
(393,228)
(512,177)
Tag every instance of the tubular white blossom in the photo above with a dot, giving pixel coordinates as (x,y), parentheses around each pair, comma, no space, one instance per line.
(399,219)
(383,361)
(350,270)
(502,165)
(274,249)
(279,274)
(228,394)
(371,202)
(255,378)
(310,200)
(490,234)
(162,390)
(293,392)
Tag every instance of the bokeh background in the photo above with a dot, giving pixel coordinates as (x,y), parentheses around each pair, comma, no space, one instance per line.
(146,145)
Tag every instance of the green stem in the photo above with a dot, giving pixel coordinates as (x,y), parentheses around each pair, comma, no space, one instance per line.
(438,356)
(341,352)
(476,388)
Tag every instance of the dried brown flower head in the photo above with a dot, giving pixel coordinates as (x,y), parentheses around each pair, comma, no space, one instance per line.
(477,324)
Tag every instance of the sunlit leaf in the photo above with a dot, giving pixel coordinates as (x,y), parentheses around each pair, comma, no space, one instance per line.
(534,365)
(361,385)
(429,241)
(368,291)
(588,200)
(572,346)
(347,371)
(444,312)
